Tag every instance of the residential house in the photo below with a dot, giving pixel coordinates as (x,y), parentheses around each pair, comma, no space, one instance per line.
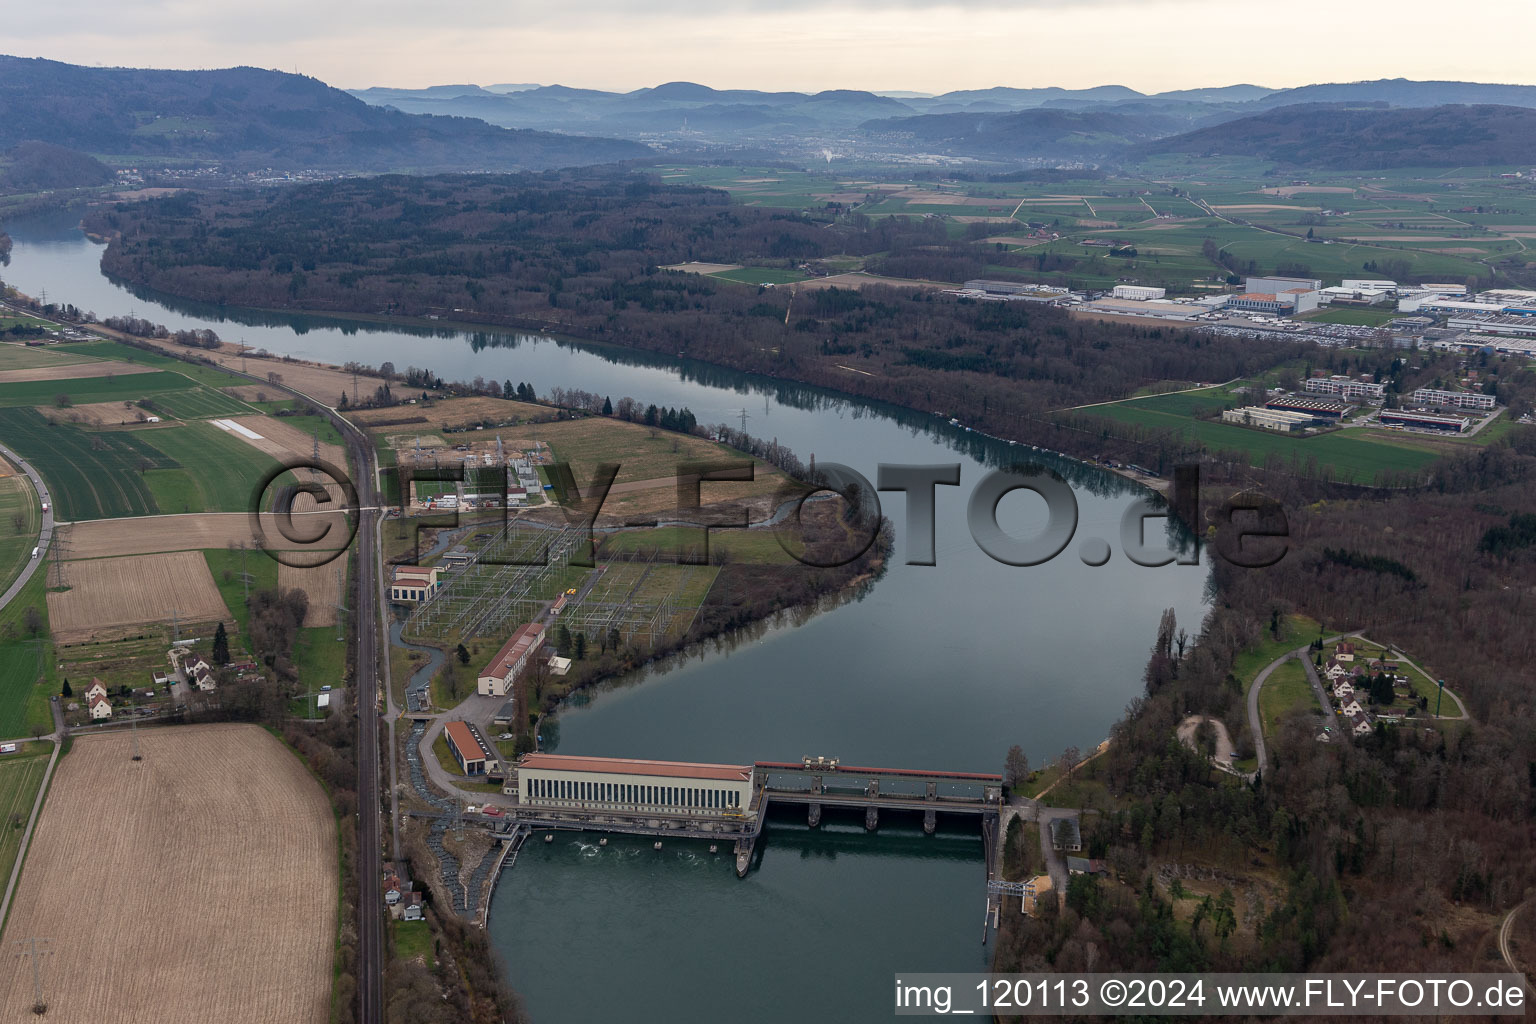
(1343,691)
(1345,651)
(1360,725)
(1351,708)
(1335,671)
(100,708)
(411,907)
(1087,866)
(96,689)
(1065,835)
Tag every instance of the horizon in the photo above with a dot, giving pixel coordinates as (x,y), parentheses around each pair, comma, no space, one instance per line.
(615,45)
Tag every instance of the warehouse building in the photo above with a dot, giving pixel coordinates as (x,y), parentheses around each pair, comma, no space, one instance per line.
(1494,323)
(500,673)
(472,753)
(1317,408)
(1136,291)
(1269,419)
(1423,421)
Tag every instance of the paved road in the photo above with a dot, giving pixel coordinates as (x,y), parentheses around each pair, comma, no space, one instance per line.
(45,537)
(1400,656)
(1255,721)
(1505,951)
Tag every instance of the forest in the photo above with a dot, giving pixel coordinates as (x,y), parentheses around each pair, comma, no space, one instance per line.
(579,253)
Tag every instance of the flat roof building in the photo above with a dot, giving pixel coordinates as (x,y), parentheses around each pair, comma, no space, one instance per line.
(1423,421)
(1455,399)
(1346,387)
(1136,291)
(1269,419)
(412,584)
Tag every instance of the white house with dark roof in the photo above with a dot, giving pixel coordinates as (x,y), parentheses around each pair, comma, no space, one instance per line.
(100,708)
(96,689)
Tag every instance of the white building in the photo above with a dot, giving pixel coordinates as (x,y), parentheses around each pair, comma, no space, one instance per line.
(100,707)
(1136,291)
(1269,419)
(1458,399)
(499,675)
(412,584)
(626,785)
(1494,323)
(1345,387)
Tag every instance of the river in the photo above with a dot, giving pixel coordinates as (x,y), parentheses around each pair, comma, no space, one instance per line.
(939,666)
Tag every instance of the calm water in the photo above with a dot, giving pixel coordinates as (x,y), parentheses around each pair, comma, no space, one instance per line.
(936,667)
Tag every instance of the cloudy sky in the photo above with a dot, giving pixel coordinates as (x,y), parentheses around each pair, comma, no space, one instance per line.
(921,45)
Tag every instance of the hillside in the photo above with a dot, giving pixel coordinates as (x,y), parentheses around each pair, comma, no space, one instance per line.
(248,117)
(1366,138)
(1027,134)
(1400,92)
(34,166)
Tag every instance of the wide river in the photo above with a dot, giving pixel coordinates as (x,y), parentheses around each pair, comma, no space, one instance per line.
(939,666)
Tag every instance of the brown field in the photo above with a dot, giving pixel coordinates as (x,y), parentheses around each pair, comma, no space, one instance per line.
(702,268)
(15,356)
(100,538)
(196,885)
(284,441)
(863,280)
(113,592)
(320,584)
(450,412)
(96,414)
(72,371)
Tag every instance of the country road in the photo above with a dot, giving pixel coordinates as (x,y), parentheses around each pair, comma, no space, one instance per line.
(1509,957)
(1255,720)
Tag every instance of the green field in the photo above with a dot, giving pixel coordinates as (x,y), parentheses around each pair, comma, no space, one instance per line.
(226,566)
(207,375)
(761,275)
(202,403)
(175,491)
(21,776)
(24,357)
(126,387)
(223,468)
(321,660)
(20,520)
(27,663)
(1355,317)
(91,475)
(1286,690)
(1355,455)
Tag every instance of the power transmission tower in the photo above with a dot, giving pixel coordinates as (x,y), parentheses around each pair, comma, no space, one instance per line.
(744,418)
(341,599)
(29,947)
(134,728)
(245,577)
(175,625)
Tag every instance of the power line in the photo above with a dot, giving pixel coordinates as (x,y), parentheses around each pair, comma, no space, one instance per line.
(29,947)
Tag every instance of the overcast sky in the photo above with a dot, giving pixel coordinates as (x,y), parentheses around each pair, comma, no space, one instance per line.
(921,45)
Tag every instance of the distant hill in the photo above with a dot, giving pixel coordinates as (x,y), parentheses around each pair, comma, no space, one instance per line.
(1027,134)
(1400,92)
(38,166)
(247,117)
(1346,137)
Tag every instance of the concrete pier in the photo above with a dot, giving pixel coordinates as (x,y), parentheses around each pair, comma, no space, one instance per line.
(872,818)
(930,821)
(813,816)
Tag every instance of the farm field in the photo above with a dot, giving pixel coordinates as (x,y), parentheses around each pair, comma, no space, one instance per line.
(129,385)
(320,584)
(105,537)
(106,594)
(207,375)
(21,776)
(20,519)
(201,402)
(66,369)
(206,947)
(282,439)
(225,469)
(449,413)
(18,357)
(761,275)
(25,659)
(91,475)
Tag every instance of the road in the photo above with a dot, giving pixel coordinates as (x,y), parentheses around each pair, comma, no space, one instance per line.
(45,537)
(1255,721)
(1505,951)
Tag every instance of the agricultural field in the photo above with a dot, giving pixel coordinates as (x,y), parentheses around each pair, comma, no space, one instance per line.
(224,469)
(201,403)
(102,538)
(28,669)
(449,414)
(91,475)
(761,275)
(24,357)
(210,946)
(320,584)
(20,520)
(21,776)
(106,594)
(128,386)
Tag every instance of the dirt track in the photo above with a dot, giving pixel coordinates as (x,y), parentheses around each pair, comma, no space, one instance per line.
(193,886)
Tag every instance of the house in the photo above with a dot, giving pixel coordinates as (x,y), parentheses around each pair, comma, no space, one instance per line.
(1360,725)
(1035,889)
(1343,689)
(413,584)
(1345,651)
(201,676)
(500,673)
(1334,671)
(1087,866)
(1351,708)
(1065,835)
(100,708)
(393,888)
(411,906)
(96,689)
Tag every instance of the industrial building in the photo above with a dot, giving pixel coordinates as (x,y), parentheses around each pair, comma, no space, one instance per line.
(1161,308)
(1494,323)
(1345,387)
(618,785)
(987,287)
(472,753)
(500,674)
(1457,399)
(1423,421)
(1317,408)
(413,584)
(1136,291)
(1269,419)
